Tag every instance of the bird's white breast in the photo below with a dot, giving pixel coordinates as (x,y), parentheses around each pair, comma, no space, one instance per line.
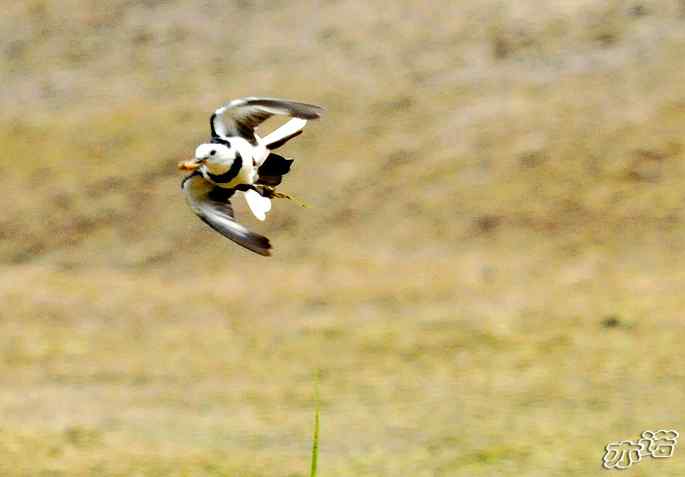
(252,157)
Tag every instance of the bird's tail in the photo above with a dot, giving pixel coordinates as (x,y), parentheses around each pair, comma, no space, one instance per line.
(273,169)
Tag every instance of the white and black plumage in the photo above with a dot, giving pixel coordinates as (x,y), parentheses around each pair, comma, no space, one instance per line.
(237,159)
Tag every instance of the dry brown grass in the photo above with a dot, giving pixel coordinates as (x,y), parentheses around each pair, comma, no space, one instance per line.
(489,278)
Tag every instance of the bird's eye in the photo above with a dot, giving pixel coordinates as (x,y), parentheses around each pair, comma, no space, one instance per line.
(212,152)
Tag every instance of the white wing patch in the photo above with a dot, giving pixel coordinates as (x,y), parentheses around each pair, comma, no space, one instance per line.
(258,205)
(288,129)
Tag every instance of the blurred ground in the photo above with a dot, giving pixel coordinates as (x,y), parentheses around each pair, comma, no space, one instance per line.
(490,277)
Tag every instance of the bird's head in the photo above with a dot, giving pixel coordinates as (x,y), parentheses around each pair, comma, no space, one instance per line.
(217,157)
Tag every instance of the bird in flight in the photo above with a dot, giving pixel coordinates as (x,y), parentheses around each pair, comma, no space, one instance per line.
(237,159)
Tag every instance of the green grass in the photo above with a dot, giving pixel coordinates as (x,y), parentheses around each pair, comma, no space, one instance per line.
(315,437)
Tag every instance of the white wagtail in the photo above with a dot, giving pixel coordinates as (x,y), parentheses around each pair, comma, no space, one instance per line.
(237,159)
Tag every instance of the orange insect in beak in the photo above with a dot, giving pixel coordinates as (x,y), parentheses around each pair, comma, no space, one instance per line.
(190,165)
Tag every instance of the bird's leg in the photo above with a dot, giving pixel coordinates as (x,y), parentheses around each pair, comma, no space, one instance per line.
(246,187)
(271,193)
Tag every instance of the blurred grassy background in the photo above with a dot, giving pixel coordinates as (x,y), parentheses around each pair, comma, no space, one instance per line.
(490,278)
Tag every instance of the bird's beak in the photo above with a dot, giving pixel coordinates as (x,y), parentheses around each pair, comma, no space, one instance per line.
(190,165)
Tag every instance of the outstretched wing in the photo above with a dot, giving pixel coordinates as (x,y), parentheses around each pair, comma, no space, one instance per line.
(241,116)
(212,204)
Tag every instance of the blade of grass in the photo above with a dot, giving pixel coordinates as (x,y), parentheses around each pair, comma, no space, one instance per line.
(315,438)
